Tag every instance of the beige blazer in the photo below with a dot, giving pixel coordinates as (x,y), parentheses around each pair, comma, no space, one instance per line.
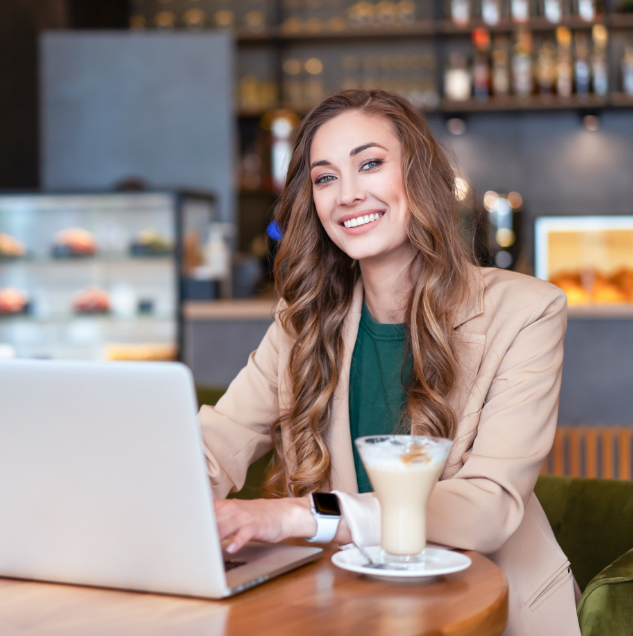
(511,333)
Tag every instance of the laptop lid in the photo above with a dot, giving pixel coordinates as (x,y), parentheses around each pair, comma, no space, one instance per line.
(103,479)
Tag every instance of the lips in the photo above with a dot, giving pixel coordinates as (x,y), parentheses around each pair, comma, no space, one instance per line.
(360,218)
(361,225)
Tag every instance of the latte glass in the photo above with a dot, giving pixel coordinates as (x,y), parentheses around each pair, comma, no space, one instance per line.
(403,469)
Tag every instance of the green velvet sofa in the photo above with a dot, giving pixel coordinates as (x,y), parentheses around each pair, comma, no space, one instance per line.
(592,520)
(593,523)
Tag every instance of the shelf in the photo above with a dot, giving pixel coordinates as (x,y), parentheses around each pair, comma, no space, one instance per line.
(430,28)
(531,103)
(253,309)
(507,25)
(596,312)
(105,259)
(66,318)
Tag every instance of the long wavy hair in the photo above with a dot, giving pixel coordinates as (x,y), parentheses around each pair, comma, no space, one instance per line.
(316,280)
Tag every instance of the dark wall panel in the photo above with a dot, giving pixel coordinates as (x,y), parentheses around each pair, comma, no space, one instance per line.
(20,23)
(597,373)
(157,106)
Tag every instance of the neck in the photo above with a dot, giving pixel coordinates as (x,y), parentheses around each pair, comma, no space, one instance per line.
(387,284)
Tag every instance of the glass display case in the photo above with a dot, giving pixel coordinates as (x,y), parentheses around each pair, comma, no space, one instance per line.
(590,257)
(104,275)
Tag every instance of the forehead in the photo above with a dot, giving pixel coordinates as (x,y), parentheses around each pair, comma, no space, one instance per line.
(347,131)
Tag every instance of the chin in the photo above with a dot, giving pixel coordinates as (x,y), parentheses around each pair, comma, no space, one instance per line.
(364,252)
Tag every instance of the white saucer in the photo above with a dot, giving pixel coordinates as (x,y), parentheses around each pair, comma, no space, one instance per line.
(438,562)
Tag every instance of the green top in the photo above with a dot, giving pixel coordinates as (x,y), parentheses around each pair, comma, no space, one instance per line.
(377,396)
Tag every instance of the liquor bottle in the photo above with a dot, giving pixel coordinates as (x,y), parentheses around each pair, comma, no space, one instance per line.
(627,70)
(522,81)
(564,65)
(582,70)
(457,80)
(461,12)
(546,68)
(481,64)
(500,68)
(600,69)
(553,10)
(520,10)
(587,10)
(491,11)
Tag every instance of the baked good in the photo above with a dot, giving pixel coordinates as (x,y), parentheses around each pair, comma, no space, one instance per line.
(91,300)
(74,241)
(13,301)
(140,352)
(10,247)
(150,243)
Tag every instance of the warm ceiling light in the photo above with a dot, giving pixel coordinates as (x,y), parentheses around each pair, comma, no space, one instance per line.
(515,200)
(292,66)
(314,66)
(490,200)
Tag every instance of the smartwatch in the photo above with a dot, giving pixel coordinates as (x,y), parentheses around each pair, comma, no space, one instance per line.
(326,510)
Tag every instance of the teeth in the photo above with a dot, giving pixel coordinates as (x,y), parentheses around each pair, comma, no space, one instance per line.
(361,220)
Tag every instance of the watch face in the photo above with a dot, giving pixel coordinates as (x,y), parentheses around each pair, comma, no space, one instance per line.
(326,503)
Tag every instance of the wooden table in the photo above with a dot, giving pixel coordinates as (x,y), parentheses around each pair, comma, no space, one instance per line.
(316,600)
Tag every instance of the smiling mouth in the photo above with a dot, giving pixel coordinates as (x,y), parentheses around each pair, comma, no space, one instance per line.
(362,220)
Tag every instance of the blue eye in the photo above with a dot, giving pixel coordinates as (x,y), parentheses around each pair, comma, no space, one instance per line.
(374,163)
(325,179)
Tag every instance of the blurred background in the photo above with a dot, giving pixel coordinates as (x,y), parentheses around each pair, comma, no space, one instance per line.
(145,143)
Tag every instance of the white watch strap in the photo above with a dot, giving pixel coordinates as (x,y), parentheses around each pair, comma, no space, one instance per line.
(326,527)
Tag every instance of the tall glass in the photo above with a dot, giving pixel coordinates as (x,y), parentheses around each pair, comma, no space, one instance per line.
(403,470)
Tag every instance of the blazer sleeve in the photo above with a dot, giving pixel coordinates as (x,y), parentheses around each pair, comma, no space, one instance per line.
(483,504)
(236,432)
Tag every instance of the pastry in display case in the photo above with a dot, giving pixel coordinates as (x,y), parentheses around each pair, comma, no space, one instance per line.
(589,258)
(72,242)
(13,301)
(91,300)
(10,247)
(98,276)
(149,242)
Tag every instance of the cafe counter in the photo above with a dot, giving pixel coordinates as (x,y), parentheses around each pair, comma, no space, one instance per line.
(597,372)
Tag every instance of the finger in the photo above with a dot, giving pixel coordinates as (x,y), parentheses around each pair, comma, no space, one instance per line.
(230,519)
(241,538)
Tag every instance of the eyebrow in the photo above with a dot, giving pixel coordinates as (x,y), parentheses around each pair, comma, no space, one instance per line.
(353,153)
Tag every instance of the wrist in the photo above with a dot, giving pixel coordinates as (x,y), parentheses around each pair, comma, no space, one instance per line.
(304,524)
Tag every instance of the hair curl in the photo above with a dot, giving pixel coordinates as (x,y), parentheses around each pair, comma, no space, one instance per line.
(316,280)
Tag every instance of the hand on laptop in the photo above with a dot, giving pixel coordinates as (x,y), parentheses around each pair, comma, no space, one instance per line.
(269,520)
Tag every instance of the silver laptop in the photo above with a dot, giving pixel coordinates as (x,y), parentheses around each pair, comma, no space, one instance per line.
(103,482)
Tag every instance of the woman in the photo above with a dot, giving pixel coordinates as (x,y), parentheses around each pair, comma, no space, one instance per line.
(385,324)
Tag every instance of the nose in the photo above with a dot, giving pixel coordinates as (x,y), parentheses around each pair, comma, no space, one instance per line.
(350,191)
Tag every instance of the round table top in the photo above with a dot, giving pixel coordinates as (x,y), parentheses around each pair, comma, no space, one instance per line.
(316,599)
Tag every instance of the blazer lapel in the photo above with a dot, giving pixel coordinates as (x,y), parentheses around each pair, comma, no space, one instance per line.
(340,442)
(470,351)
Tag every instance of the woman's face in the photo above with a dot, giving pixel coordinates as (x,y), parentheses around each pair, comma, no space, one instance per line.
(357,185)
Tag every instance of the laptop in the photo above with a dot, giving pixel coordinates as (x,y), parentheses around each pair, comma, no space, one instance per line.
(103,482)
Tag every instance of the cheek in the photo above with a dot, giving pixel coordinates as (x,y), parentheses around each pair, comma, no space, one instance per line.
(323,203)
(324,208)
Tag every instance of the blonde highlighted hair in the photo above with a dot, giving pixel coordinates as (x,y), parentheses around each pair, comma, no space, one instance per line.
(316,280)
